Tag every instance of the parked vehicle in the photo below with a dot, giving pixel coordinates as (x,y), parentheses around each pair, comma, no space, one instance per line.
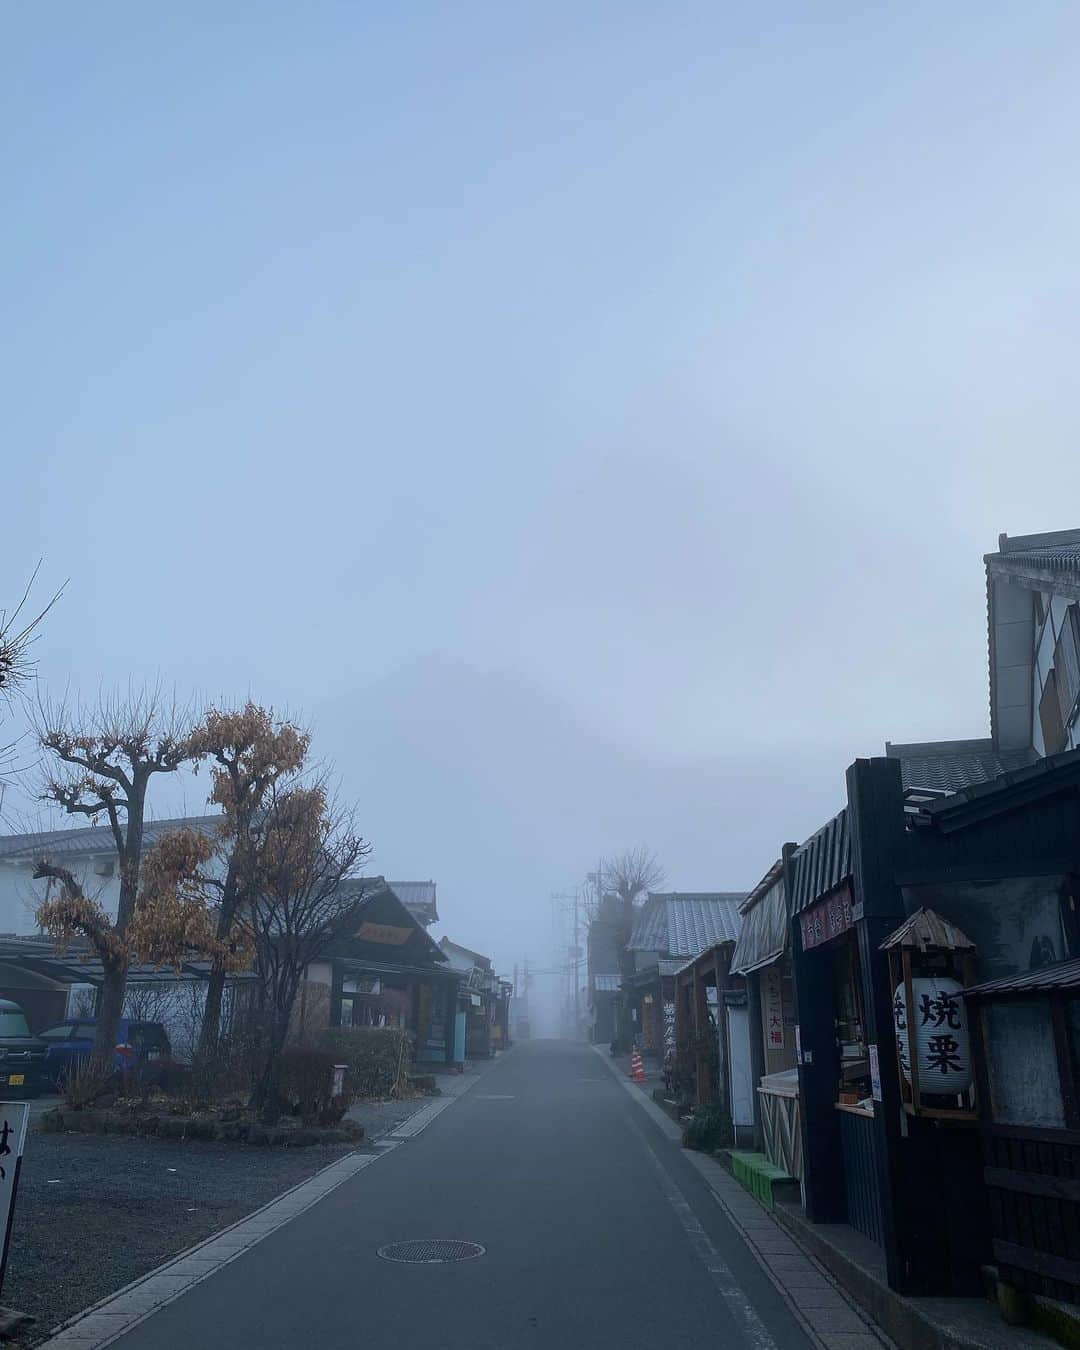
(71,1041)
(22,1054)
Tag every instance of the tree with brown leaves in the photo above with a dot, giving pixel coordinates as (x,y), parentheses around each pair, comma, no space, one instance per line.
(308,847)
(252,754)
(100,762)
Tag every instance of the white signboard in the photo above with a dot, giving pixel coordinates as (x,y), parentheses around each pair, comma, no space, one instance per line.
(875,1073)
(13,1120)
(774,1008)
(941,1035)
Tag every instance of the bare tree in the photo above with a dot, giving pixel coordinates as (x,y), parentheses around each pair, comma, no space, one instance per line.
(308,847)
(16,636)
(100,763)
(630,875)
(252,753)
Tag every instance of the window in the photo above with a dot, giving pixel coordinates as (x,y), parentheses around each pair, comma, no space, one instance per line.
(148,1036)
(60,1033)
(13,1023)
(1067,666)
(1050,719)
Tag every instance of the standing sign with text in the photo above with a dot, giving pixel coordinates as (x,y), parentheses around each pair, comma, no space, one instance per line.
(13,1120)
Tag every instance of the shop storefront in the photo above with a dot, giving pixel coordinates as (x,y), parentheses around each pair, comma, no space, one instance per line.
(899,906)
(762,957)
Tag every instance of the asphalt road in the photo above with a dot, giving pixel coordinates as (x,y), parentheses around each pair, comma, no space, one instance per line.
(598,1233)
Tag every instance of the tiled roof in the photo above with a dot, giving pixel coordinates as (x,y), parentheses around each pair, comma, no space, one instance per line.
(1056,551)
(418,897)
(1043,777)
(679,923)
(950,766)
(1062,975)
(91,839)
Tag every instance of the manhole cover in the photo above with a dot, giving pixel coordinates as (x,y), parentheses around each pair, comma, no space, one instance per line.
(430,1251)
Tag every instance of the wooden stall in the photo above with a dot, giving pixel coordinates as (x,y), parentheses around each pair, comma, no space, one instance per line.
(1027,1032)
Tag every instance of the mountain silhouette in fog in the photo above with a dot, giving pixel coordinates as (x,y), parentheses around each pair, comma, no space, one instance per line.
(492,785)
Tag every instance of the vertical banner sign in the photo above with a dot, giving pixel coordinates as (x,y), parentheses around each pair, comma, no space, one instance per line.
(774,1009)
(798,1045)
(13,1120)
(875,1073)
(669,1025)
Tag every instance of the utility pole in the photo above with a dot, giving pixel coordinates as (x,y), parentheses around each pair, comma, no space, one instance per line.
(576,971)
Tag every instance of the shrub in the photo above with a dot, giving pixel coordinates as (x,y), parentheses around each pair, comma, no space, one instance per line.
(164,1075)
(709,1129)
(82,1085)
(307,1079)
(377,1058)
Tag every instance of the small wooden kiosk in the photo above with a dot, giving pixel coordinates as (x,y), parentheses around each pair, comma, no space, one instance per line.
(1026,1031)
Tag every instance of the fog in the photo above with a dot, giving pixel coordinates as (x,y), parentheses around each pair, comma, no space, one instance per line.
(591,419)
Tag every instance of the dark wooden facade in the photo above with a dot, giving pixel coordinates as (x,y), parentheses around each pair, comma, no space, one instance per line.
(912,1183)
(1032,1156)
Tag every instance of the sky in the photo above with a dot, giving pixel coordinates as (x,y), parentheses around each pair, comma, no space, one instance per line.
(590,417)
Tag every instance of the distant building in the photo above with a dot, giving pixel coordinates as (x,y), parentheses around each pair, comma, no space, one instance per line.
(671,928)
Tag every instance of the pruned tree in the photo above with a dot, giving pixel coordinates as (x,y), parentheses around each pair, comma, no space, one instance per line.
(252,753)
(630,875)
(308,846)
(100,762)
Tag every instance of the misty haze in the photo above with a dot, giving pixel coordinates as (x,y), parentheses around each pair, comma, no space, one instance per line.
(540,677)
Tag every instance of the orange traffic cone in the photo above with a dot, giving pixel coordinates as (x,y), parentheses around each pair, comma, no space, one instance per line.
(637,1068)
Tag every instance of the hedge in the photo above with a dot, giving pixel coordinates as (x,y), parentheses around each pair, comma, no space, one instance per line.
(377,1058)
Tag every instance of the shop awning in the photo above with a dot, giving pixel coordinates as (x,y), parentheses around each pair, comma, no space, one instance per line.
(764,935)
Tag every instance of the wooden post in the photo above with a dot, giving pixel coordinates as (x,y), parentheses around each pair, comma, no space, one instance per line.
(876,827)
(912,1041)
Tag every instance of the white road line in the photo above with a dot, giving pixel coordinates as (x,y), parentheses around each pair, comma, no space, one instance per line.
(740,1307)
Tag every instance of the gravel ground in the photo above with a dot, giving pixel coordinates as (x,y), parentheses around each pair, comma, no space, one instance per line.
(94,1212)
(97,1211)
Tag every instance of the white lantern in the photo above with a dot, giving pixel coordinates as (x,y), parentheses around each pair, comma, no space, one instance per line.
(941,1035)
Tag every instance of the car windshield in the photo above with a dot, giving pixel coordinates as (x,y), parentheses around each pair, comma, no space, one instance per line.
(13,1023)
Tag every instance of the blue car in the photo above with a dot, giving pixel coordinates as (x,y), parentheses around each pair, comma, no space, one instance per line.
(71,1041)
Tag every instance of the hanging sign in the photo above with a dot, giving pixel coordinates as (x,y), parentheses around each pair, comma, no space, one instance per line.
(385,934)
(827,919)
(13,1120)
(774,1009)
(941,1035)
(669,1025)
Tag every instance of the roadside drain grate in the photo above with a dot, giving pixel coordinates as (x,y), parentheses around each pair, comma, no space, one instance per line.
(430,1251)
